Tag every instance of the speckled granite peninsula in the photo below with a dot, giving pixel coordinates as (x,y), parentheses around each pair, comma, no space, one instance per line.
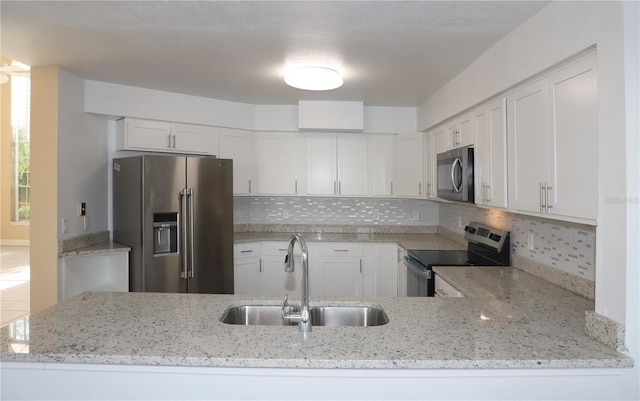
(510,320)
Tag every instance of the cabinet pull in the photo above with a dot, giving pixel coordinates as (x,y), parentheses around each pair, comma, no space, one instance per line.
(391,187)
(547,187)
(247,251)
(169,141)
(296,187)
(174,141)
(419,189)
(339,187)
(489,197)
(541,198)
(340,250)
(260,265)
(360,266)
(249,186)
(334,187)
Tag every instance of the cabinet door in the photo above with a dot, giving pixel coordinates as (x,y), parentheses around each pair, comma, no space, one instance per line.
(238,145)
(247,268)
(381,164)
(573,141)
(434,144)
(528,145)
(341,276)
(380,270)
(322,165)
(409,172)
(497,127)
(352,165)
(196,139)
(466,136)
(491,154)
(146,135)
(276,163)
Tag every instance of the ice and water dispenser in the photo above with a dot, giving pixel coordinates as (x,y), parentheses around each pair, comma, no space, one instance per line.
(165,231)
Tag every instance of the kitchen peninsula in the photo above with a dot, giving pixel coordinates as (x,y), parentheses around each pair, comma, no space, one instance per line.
(140,345)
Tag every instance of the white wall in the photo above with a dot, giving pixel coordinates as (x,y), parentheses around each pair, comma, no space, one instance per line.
(82,161)
(121,100)
(559,31)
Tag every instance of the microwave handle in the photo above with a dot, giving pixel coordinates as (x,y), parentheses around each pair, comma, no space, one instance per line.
(453,176)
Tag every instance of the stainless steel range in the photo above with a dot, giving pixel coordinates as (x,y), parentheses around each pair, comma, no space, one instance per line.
(487,246)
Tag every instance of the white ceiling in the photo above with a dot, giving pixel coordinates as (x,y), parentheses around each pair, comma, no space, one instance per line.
(390,53)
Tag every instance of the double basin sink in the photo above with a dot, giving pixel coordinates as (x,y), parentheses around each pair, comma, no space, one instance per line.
(321,315)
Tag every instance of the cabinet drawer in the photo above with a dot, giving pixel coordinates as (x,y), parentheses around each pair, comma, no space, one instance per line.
(251,249)
(276,248)
(341,249)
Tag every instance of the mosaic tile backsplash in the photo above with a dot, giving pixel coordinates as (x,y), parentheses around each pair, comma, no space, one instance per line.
(565,246)
(335,211)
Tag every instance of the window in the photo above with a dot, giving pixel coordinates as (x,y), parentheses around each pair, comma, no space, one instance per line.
(20,118)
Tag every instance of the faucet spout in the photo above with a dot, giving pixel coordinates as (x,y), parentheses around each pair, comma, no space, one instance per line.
(303,317)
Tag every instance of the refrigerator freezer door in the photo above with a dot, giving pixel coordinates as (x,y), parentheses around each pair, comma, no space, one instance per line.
(163,181)
(210,268)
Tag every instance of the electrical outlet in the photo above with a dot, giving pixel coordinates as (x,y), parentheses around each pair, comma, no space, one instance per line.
(65,227)
(285,213)
(82,209)
(376,214)
(416,215)
(530,241)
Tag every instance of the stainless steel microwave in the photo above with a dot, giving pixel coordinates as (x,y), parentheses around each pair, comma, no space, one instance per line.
(455,175)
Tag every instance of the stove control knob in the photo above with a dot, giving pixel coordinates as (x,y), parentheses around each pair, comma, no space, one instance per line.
(494,237)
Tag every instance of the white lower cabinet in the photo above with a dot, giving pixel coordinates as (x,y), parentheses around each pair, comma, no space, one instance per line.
(247,268)
(380,273)
(336,269)
(275,281)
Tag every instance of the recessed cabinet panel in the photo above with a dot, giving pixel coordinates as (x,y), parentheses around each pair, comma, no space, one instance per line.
(528,144)
(238,145)
(352,165)
(322,165)
(381,164)
(276,163)
(409,172)
(151,135)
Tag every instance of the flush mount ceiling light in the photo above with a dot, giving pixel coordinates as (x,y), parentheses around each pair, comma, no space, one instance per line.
(313,78)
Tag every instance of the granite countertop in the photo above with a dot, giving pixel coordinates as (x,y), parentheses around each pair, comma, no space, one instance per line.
(515,321)
(101,248)
(406,241)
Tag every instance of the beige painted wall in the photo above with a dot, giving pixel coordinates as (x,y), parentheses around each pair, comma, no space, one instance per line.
(9,232)
(44,182)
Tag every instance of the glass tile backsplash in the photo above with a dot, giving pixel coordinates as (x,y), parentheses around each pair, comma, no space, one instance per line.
(569,247)
(335,211)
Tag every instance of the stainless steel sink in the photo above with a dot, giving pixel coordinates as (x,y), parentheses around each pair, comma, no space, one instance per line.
(329,316)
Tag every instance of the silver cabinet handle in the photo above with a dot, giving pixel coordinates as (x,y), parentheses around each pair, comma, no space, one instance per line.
(260,265)
(169,141)
(391,187)
(247,251)
(419,189)
(541,198)
(249,186)
(339,187)
(428,189)
(340,250)
(174,141)
(360,266)
(296,187)
(547,187)
(334,187)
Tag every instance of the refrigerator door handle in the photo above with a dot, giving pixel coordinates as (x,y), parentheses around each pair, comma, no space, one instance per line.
(192,270)
(183,233)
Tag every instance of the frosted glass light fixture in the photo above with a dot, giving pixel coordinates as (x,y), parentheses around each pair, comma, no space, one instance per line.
(313,78)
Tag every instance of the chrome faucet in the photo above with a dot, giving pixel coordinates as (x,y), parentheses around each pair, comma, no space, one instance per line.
(303,317)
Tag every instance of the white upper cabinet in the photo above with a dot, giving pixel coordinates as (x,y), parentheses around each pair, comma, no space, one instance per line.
(276,163)
(409,170)
(435,143)
(381,164)
(337,164)
(238,145)
(162,136)
(490,173)
(552,136)
(459,132)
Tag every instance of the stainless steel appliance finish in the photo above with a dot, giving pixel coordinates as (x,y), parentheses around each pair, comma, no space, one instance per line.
(486,246)
(176,214)
(455,175)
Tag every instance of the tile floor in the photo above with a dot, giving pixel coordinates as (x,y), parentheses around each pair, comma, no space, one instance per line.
(14,283)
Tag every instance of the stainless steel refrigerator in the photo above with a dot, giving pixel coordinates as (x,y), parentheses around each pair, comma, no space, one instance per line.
(176,214)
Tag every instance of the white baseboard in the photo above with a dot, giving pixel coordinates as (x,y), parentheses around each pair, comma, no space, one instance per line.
(15,242)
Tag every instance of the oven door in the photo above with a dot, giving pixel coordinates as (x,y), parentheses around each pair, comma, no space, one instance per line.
(419,282)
